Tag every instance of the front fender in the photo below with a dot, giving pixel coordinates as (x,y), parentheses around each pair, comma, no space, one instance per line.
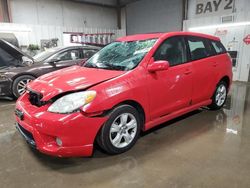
(129,87)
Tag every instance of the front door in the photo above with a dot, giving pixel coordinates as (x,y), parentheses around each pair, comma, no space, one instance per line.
(170,90)
(65,59)
(68,58)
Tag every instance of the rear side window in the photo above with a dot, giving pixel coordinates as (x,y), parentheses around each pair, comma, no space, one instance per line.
(199,48)
(218,47)
(172,50)
(88,53)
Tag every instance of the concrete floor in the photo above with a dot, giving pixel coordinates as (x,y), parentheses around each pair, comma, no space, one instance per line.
(201,149)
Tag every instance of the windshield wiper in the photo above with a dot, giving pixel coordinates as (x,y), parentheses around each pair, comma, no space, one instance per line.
(114,67)
(90,65)
(105,66)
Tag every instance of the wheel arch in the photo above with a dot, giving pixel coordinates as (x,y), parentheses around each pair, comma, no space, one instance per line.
(137,106)
(226,79)
(23,74)
(132,103)
(17,76)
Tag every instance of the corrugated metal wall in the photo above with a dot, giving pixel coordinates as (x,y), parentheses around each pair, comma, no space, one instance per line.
(154,16)
(62,13)
(4,11)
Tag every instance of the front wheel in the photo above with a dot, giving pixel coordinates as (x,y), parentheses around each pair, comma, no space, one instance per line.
(121,130)
(220,96)
(19,84)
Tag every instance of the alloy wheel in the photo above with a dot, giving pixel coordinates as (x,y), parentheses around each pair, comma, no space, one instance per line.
(221,95)
(123,130)
(21,86)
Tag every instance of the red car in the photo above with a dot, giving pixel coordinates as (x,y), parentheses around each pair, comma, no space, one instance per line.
(131,85)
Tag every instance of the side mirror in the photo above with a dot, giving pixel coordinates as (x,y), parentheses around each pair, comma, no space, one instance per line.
(82,62)
(158,66)
(53,61)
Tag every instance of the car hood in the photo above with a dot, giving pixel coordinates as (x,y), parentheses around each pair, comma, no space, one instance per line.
(13,50)
(12,70)
(74,78)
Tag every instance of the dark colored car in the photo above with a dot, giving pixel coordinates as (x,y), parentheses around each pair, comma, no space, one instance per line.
(18,68)
(9,37)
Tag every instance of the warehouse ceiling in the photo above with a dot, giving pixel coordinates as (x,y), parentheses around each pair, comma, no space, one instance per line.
(125,2)
(107,3)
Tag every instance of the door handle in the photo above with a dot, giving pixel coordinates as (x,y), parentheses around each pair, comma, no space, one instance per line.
(188,71)
(215,64)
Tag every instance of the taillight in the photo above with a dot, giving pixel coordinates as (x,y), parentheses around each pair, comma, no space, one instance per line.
(231,59)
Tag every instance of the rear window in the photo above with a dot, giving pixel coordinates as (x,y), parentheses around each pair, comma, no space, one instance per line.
(218,47)
(199,48)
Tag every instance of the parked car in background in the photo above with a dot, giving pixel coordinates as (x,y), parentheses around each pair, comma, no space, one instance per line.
(9,37)
(17,68)
(131,85)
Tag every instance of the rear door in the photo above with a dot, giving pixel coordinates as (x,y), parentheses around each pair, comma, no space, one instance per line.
(222,59)
(204,64)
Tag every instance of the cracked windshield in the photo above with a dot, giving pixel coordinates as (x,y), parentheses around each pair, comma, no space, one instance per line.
(122,56)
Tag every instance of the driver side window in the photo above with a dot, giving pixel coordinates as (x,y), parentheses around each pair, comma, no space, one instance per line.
(68,55)
(172,50)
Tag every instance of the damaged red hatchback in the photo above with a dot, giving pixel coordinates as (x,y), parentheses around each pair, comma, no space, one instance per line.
(131,85)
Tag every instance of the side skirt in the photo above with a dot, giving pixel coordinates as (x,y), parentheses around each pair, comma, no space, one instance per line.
(175,114)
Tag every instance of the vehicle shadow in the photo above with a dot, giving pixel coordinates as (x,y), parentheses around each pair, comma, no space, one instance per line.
(162,137)
(6,99)
(6,102)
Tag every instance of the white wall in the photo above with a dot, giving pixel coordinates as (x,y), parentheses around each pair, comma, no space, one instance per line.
(62,13)
(241,8)
(33,34)
(234,37)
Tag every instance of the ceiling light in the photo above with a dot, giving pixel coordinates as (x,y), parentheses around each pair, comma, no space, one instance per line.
(219,26)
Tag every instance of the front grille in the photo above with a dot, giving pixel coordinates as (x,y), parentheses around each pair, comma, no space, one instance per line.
(25,132)
(35,99)
(27,135)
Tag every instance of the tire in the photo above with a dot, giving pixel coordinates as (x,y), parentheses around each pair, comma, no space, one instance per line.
(114,135)
(19,84)
(220,96)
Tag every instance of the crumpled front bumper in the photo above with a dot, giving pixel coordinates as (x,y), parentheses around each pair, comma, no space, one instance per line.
(40,128)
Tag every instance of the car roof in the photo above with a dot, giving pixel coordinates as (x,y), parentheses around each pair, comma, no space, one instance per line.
(163,35)
(140,37)
(73,47)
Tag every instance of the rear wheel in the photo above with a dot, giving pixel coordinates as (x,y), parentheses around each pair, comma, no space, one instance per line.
(220,96)
(121,130)
(19,84)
